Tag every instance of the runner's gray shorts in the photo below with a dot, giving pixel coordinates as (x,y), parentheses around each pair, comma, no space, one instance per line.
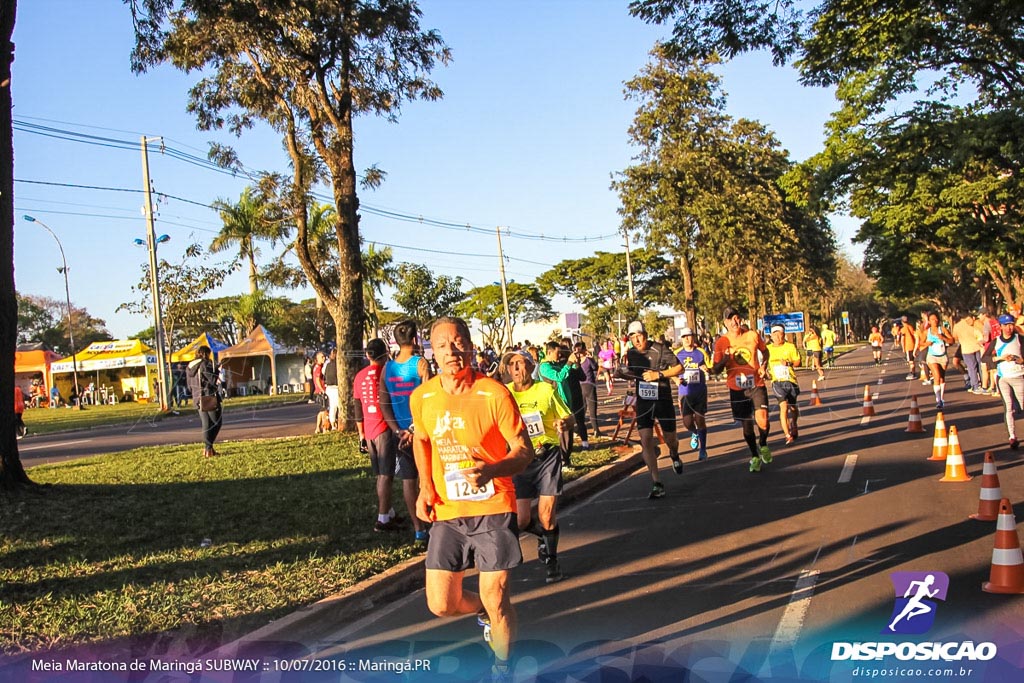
(543,476)
(786,392)
(387,459)
(488,542)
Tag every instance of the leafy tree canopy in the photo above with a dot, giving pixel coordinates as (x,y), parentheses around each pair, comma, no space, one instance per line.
(486,305)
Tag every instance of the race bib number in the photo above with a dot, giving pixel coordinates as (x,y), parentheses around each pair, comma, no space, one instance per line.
(780,370)
(534,424)
(648,391)
(745,381)
(692,376)
(459,489)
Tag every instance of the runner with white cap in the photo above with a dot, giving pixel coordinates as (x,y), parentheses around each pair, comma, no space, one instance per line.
(650,364)
(782,358)
(693,391)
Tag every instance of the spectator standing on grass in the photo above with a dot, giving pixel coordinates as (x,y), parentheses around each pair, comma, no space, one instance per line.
(408,370)
(375,437)
(331,387)
(19,410)
(588,384)
(203,382)
(307,374)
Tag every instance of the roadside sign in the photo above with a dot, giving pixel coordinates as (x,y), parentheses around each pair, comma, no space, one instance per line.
(793,322)
(846,317)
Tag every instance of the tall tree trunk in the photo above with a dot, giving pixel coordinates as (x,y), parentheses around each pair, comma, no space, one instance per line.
(12,473)
(253,280)
(689,292)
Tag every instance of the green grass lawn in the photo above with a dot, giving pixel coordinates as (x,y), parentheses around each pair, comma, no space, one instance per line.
(47,421)
(157,539)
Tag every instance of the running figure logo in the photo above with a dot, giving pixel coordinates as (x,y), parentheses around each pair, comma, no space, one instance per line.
(914,613)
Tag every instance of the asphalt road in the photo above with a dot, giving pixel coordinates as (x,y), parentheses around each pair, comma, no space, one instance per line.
(286,420)
(740,576)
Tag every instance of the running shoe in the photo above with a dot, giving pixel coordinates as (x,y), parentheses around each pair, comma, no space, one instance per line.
(909,377)
(421,537)
(938,405)
(1014,443)
(755,464)
(694,442)
(926,382)
(389,525)
(657,490)
(484,621)
(677,465)
(766,455)
(790,440)
(501,673)
(702,454)
(554,572)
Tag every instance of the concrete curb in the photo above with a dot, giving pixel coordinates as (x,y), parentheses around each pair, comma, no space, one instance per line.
(403,578)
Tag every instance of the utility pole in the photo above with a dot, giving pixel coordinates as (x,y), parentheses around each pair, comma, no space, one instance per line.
(629,268)
(504,286)
(154,278)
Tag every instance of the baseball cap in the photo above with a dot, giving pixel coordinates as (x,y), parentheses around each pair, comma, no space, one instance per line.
(636,326)
(686,332)
(777,327)
(1006,319)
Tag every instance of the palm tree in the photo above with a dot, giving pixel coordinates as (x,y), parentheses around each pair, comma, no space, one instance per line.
(377,272)
(246,222)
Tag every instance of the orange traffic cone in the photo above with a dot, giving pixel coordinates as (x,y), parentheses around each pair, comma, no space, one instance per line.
(914,426)
(815,398)
(869,407)
(1007,575)
(955,470)
(988,503)
(939,443)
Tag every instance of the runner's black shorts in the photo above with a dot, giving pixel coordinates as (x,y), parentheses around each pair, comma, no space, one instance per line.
(662,410)
(543,476)
(786,392)
(488,542)
(745,401)
(694,402)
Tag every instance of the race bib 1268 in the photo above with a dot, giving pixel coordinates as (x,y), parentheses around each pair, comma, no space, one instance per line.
(459,489)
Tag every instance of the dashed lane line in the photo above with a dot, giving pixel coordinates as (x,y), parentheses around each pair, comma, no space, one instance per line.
(847,474)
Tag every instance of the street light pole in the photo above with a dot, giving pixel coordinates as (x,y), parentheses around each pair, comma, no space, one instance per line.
(67,292)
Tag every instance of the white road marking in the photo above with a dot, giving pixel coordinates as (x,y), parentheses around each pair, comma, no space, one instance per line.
(792,622)
(847,474)
(22,449)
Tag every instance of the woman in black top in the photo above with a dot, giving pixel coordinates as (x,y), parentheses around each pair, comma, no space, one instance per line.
(202,381)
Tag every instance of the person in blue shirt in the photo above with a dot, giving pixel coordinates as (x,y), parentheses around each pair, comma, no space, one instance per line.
(693,391)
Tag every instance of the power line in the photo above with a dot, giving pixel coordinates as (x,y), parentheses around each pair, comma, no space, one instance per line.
(73,136)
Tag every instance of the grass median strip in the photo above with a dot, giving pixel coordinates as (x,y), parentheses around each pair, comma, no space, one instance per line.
(159,539)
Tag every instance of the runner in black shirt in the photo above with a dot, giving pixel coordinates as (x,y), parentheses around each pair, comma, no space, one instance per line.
(650,364)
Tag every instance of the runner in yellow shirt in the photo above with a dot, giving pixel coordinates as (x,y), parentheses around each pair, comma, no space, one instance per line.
(782,358)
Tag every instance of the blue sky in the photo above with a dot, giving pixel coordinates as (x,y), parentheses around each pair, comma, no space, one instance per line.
(531,128)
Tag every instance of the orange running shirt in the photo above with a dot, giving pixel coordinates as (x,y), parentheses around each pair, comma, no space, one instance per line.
(476,424)
(743,368)
(875,339)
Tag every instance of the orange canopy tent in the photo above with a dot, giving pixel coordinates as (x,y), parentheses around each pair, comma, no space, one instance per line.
(31,360)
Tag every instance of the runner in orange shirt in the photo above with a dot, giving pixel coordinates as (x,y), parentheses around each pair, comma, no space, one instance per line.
(742,353)
(469,440)
(876,340)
